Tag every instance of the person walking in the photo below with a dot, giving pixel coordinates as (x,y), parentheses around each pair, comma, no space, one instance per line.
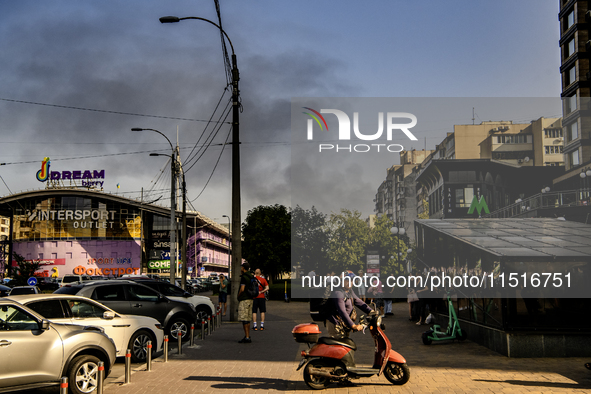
(245,302)
(259,303)
(223,297)
(361,288)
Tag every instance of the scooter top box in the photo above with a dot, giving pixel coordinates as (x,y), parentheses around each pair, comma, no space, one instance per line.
(306,333)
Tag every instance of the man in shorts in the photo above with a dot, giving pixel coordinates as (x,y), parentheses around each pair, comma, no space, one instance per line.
(245,302)
(259,303)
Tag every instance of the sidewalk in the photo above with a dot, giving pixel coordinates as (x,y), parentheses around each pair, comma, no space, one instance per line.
(221,364)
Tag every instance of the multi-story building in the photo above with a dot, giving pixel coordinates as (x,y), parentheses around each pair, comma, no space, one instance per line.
(575,47)
(396,195)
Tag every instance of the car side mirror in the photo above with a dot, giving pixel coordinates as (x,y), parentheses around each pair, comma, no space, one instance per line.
(161,298)
(44,325)
(108,315)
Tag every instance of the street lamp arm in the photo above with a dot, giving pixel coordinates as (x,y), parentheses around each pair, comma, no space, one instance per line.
(140,129)
(174,19)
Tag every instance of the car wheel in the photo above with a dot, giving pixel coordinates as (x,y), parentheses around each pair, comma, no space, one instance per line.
(83,374)
(178,324)
(138,344)
(203,312)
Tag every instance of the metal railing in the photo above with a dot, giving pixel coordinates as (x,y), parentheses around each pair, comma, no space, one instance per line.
(559,199)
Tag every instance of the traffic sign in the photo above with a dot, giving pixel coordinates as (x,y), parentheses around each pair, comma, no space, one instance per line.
(32,281)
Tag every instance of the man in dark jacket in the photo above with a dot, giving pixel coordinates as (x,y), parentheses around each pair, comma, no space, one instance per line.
(341,320)
(245,302)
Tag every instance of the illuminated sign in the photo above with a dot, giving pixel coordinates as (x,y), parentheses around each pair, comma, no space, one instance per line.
(84,175)
(479,205)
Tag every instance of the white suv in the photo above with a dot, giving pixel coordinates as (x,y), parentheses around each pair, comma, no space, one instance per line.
(74,278)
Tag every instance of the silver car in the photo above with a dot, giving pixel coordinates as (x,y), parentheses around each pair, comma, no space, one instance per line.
(36,353)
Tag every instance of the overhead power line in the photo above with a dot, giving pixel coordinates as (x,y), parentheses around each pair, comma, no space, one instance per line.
(102,110)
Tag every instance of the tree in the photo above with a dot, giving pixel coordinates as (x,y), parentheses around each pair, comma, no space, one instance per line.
(348,240)
(309,240)
(389,245)
(24,270)
(267,239)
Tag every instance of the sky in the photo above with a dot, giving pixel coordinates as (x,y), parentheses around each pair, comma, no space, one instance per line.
(76,76)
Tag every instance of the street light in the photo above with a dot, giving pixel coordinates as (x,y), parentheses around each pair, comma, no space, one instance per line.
(172,203)
(229,247)
(236,215)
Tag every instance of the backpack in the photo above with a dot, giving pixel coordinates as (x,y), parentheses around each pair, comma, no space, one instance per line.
(253,287)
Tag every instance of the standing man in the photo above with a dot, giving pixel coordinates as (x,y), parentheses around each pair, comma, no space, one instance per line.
(259,303)
(223,299)
(245,302)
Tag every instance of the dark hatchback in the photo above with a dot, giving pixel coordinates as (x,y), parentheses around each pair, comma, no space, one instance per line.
(132,298)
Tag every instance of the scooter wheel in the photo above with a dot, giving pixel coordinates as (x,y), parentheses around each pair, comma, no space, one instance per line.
(426,339)
(397,373)
(316,382)
(463,335)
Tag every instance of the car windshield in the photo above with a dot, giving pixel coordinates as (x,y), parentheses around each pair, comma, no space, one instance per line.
(22,290)
(170,290)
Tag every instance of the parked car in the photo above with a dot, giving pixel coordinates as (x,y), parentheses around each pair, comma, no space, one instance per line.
(4,290)
(203,305)
(24,290)
(127,331)
(131,298)
(48,284)
(35,352)
(74,278)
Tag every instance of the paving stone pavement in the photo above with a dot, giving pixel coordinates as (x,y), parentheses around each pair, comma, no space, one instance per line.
(269,363)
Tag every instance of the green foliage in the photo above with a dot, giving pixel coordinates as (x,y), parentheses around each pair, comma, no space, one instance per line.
(309,239)
(348,240)
(390,246)
(24,269)
(267,239)
(425,213)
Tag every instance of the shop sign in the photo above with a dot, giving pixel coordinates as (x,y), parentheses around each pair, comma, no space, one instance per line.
(81,218)
(159,264)
(160,235)
(110,260)
(81,270)
(84,175)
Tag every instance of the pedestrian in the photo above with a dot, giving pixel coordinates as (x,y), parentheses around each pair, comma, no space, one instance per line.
(223,297)
(376,293)
(245,302)
(388,298)
(361,288)
(260,302)
(312,273)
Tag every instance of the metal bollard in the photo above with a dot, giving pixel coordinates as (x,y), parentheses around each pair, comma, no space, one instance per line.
(219,317)
(202,329)
(127,366)
(208,325)
(192,337)
(180,336)
(213,322)
(100,378)
(149,356)
(165,348)
(64,386)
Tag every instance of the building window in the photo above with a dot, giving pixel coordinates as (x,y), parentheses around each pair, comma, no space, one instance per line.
(572,132)
(570,76)
(68,255)
(573,158)
(553,133)
(569,48)
(569,20)
(464,197)
(54,256)
(570,104)
(553,149)
(514,139)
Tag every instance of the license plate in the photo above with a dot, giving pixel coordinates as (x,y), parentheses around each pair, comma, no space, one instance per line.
(301,364)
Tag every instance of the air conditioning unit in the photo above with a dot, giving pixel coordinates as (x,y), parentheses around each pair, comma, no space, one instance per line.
(204,259)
